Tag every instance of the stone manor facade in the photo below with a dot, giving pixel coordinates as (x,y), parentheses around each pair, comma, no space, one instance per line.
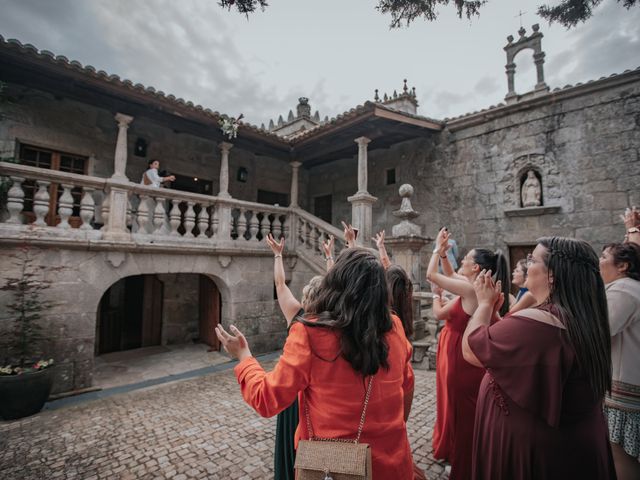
(147,266)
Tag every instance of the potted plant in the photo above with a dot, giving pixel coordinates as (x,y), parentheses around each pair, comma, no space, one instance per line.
(25,373)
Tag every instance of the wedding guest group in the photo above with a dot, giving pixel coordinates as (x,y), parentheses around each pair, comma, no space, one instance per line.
(542,385)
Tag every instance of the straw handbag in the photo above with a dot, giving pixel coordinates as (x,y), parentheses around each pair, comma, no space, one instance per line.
(334,459)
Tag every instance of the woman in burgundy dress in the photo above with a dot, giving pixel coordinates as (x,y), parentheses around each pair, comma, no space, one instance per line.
(539,410)
(463,379)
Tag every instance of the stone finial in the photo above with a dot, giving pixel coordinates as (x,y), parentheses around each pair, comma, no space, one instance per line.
(376,97)
(262,126)
(386,97)
(535,27)
(413,92)
(271,124)
(395,94)
(316,116)
(290,118)
(280,121)
(406,213)
(404,87)
(303,109)
(522,32)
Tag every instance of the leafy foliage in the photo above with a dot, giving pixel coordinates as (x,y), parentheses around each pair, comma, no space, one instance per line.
(568,12)
(25,340)
(571,12)
(409,10)
(244,6)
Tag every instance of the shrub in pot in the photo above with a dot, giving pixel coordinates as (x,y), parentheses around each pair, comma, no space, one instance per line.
(25,372)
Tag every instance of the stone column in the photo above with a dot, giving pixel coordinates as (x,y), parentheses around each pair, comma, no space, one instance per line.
(295,166)
(224,169)
(362,164)
(120,158)
(362,202)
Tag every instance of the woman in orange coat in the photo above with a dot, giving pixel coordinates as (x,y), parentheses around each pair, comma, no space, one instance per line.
(329,358)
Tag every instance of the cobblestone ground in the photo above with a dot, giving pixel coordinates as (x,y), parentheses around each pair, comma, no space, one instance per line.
(198,428)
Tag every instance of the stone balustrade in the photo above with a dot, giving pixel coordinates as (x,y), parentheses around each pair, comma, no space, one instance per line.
(82,210)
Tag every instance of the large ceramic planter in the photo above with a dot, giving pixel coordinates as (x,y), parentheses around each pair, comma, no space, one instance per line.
(25,394)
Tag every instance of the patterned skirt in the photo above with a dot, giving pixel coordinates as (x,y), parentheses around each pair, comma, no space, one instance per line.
(622,408)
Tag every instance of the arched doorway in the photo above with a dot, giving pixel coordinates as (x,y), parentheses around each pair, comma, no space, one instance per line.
(158,309)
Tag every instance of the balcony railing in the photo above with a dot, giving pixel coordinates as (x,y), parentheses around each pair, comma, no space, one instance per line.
(99,209)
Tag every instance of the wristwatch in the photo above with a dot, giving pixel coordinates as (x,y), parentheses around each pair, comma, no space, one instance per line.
(633,230)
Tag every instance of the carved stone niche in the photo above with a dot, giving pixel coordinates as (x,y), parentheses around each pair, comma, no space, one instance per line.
(526,192)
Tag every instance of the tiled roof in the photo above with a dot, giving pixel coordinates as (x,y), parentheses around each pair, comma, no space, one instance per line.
(352,113)
(125,84)
(556,90)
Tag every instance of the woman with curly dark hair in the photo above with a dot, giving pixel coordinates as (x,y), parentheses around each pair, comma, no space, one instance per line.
(347,343)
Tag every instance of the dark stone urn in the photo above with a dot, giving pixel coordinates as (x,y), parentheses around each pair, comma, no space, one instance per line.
(25,394)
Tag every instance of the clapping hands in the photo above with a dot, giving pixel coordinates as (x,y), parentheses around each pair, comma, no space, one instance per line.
(488,292)
(327,247)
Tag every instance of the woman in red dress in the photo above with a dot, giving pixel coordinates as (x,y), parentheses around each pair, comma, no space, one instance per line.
(539,412)
(462,379)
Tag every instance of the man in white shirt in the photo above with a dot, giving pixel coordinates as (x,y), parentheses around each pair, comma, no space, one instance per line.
(151,176)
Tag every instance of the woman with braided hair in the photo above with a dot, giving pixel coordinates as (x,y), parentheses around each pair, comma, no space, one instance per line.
(539,410)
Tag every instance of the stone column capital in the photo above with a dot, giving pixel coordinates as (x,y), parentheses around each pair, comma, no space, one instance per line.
(295,164)
(225,146)
(123,120)
(361,141)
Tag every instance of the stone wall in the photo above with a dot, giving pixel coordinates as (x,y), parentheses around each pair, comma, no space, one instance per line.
(180,308)
(584,143)
(245,284)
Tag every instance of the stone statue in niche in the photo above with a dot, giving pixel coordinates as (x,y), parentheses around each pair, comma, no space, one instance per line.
(531,192)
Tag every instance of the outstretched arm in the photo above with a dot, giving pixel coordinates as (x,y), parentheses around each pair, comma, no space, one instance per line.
(288,303)
(451,284)
(527,300)
(384,257)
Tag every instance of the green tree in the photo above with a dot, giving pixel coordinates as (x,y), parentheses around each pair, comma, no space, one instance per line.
(568,12)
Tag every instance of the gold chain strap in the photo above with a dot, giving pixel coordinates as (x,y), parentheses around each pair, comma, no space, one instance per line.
(360,427)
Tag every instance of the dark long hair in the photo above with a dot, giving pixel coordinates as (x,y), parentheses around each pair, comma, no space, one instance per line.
(628,253)
(401,296)
(577,291)
(497,263)
(353,298)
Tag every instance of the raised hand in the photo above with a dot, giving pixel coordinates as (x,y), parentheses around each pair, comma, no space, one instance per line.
(236,345)
(442,241)
(276,247)
(631,217)
(379,239)
(349,235)
(327,247)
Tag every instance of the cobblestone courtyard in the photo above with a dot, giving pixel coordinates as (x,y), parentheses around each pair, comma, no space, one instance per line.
(197,428)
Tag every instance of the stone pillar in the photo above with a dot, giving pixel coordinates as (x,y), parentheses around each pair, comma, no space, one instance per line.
(120,158)
(362,202)
(224,169)
(295,166)
(538,59)
(362,164)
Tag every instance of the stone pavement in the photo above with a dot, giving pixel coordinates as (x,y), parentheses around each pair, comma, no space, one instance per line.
(197,428)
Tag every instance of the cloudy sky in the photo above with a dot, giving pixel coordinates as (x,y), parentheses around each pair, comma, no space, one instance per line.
(336,52)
